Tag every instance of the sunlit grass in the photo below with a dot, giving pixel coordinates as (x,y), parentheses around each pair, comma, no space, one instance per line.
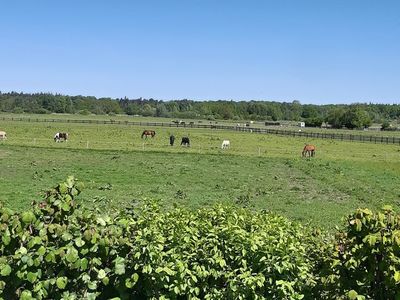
(258,171)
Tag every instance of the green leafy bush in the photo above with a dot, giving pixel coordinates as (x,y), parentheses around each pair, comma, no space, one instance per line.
(365,260)
(60,250)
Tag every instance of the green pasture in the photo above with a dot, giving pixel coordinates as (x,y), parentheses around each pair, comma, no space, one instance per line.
(258,171)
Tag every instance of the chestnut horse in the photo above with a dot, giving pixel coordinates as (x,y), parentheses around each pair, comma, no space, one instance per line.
(308,150)
(146,133)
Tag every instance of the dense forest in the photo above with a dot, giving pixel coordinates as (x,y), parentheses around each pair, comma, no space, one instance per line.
(357,115)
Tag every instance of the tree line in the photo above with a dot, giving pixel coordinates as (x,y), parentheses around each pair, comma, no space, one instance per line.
(357,115)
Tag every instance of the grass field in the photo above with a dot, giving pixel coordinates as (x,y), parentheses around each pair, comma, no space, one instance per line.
(259,171)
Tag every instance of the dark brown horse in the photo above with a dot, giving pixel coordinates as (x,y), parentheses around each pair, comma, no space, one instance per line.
(146,133)
(308,150)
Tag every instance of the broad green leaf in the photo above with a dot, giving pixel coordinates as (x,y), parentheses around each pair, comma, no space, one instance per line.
(352,295)
(63,188)
(66,207)
(5,270)
(119,266)
(41,250)
(72,255)
(92,285)
(397,276)
(101,274)
(26,295)
(28,217)
(129,283)
(101,221)
(79,242)
(105,280)
(50,257)
(84,263)
(31,277)
(6,239)
(61,282)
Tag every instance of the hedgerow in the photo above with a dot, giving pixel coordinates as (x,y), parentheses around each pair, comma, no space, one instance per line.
(62,250)
(365,260)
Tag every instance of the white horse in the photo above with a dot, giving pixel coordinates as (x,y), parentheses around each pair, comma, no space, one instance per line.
(225,144)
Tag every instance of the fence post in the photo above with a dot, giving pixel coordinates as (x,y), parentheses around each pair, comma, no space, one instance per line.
(87,144)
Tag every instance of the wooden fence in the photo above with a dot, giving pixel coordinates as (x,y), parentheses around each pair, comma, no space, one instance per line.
(317,135)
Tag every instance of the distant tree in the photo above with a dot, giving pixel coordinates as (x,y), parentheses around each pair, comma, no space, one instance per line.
(148,111)
(356,117)
(313,122)
(161,110)
(353,116)
(335,117)
(309,111)
(296,110)
(385,125)
(275,112)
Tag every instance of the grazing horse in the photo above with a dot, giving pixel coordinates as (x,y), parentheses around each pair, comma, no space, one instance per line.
(146,133)
(225,144)
(3,135)
(308,150)
(185,141)
(171,139)
(59,136)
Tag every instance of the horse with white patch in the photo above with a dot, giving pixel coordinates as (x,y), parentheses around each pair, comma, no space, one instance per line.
(60,136)
(225,144)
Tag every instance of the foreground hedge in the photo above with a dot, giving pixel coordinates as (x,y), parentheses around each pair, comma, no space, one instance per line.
(60,250)
(365,260)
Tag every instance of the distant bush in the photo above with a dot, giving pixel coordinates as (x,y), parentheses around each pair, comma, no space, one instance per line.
(84,112)
(18,110)
(41,111)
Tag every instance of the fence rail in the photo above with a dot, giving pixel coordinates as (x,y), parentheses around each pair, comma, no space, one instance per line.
(317,135)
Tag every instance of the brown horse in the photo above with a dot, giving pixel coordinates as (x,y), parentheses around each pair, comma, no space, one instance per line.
(308,150)
(146,133)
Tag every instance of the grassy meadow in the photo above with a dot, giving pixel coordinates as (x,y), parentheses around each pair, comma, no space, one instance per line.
(258,171)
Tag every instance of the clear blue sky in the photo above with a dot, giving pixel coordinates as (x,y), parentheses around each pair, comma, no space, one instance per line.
(322,51)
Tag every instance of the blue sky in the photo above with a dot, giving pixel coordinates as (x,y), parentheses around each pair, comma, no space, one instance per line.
(319,52)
